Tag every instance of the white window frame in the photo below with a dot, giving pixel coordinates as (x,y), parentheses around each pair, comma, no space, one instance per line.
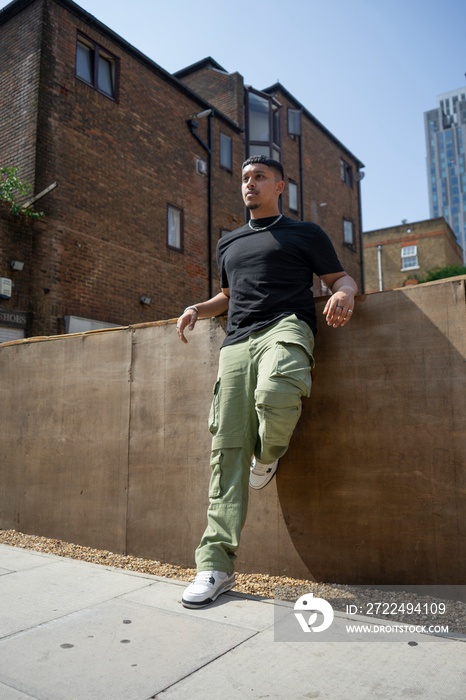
(226,151)
(409,259)
(348,233)
(293,196)
(294,122)
(174,227)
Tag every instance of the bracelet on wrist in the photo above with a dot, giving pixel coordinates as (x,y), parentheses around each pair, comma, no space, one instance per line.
(194,308)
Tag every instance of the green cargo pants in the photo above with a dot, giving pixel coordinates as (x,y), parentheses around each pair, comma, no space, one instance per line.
(255,408)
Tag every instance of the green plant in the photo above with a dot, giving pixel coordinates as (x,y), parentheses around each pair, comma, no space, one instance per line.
(12,188)
(438,273)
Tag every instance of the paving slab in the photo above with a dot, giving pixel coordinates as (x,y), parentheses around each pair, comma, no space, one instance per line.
(249,612)
(32,596)
(17,559)
(7,693)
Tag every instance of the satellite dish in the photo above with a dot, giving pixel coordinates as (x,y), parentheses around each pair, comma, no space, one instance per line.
(359,175)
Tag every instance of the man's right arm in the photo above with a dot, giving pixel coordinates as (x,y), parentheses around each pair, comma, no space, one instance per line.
(205,309)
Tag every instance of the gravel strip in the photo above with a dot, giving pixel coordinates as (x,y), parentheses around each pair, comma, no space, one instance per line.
(397,606)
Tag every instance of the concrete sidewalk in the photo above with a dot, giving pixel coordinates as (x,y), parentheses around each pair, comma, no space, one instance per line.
(73,630)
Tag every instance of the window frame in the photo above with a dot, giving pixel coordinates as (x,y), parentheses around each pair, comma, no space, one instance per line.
(174,207)
(273,144)
(292,183)
(225,136)
(348,244)
(406,255)
(294,122)
(346,173)
(98,51)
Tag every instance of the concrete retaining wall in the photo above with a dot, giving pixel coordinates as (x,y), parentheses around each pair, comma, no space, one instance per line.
(104,443)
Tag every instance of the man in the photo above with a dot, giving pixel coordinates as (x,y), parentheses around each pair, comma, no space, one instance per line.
(266,272)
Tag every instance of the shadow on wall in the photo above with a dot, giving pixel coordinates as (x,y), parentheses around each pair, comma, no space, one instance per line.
(376,492)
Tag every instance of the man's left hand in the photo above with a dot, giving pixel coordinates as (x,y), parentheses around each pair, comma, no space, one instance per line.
(339,308)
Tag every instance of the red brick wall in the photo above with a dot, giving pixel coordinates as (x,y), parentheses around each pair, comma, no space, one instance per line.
(117,165)
(222,90)
(17,238)
(19,83)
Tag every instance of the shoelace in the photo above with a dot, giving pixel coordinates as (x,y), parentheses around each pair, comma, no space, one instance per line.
(204,576)
(260,469)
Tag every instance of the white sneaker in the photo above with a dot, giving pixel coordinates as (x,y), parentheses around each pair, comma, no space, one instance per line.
(206,587)
(261,474)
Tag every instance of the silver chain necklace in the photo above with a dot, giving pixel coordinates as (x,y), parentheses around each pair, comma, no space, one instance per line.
(253,228)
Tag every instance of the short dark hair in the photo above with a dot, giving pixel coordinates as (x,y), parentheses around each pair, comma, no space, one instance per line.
(265,160)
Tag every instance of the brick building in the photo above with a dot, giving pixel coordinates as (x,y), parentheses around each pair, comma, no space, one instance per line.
(397,254)
(147,166)
(322,176)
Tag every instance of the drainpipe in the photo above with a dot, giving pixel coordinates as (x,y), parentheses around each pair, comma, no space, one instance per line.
(359,176)
(193,125)
(379,263)
(301,184)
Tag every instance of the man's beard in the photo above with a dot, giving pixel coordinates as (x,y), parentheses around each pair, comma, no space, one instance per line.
(252,205)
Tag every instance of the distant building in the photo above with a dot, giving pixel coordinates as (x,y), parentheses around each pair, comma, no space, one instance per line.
(445,129)
(398,254)
(147,166)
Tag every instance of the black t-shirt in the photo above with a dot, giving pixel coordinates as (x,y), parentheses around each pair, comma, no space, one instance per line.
(270,273)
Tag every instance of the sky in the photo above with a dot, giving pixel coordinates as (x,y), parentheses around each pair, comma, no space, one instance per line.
(366,69)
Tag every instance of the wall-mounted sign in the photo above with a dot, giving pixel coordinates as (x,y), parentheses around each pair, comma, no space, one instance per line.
(13,318)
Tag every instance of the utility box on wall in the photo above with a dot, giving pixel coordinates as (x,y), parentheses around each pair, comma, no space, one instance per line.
(6,287)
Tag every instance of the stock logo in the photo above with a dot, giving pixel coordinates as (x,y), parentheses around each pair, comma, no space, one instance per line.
(308,604)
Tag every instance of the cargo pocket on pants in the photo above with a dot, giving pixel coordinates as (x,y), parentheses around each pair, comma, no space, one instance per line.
(213,415)
(215,485)
(278,414)
(293,364)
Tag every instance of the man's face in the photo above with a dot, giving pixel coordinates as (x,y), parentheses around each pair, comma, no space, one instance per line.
(261,188)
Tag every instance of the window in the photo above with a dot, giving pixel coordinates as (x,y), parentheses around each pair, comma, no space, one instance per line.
(226,152)
(409,257)
(294,122)
(96,66)
(263,125)
(348,233)
(346,173)
(293,196)
(174,227)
